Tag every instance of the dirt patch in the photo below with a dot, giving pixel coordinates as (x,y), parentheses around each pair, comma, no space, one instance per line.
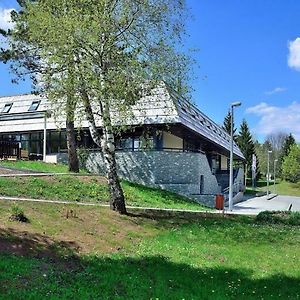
(85,230)
(95,179)
(11,171)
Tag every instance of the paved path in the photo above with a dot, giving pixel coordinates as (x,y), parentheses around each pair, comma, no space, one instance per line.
(258,204)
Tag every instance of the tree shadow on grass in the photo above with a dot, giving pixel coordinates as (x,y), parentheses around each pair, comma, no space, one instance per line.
(39,272)
(170,219)
(23,243)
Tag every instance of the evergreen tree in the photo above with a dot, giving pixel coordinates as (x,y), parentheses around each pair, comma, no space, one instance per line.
(246,144)
(227,126)
(288,143)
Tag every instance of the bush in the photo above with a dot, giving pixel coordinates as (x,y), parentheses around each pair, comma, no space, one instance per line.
(279,217)
(17,214)
(83,155)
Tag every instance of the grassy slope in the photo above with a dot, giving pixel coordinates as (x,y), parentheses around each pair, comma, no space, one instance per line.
(91,189)
(282,188)
(38,166)
(142,258)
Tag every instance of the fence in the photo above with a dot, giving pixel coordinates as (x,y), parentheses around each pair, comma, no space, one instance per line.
(10,150)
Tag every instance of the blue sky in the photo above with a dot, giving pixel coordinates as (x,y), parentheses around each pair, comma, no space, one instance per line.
(248,51)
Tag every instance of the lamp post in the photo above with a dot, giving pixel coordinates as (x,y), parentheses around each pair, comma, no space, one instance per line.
(47,114)
(275,161)
(233,105)
(268,173)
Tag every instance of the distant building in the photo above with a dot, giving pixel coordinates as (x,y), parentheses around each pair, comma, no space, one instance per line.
(173,144)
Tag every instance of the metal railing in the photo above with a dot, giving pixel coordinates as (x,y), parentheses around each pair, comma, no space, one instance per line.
(10,150)
(236,188)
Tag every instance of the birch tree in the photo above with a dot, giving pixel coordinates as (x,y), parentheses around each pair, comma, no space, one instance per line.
(118,50)
(25,61)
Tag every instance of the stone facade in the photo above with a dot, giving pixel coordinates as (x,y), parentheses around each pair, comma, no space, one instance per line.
(179,172)
(175,171)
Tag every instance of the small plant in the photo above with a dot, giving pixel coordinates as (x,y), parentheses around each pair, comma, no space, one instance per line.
(70,213)
(17,214)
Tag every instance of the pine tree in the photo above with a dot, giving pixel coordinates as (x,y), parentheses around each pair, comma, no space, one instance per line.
(227,126)
(246,144)
(286,148)
(288,143)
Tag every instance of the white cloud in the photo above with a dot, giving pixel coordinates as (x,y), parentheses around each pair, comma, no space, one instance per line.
(277,119)
(5,19)
(294,54)
(276,91)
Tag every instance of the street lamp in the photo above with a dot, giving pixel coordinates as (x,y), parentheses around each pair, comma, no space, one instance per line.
(268,173)
(233,105)
(275,161)
(47,114)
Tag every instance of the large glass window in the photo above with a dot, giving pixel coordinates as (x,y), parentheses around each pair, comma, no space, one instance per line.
(54,141)
(63,140)
(142,143)
(25,145)
(124,144)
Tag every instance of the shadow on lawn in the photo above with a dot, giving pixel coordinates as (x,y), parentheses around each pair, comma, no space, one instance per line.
(23,243)
(120,277)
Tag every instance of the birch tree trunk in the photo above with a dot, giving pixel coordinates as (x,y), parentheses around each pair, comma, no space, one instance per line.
(106,143)
(117,200)
(71,144)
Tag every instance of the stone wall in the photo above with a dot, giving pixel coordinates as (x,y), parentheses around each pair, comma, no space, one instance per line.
(176,171)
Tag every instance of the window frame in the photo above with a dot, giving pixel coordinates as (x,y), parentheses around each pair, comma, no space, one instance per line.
(8,106)
(34,105)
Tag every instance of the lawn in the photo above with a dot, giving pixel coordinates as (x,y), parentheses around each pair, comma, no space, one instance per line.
(38,166)
(98,254)
(282,188)
(91,189)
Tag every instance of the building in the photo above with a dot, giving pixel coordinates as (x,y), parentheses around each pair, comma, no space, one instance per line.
(170,142)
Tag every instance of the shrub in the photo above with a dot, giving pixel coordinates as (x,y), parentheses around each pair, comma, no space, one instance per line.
(279,217)
(83,155)
(17,214)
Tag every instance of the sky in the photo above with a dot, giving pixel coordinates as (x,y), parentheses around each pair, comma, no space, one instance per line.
(246,50)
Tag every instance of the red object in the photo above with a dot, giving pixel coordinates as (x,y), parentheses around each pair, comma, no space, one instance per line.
(219,202)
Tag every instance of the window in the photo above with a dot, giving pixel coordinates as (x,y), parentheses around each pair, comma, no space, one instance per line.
(34,105)
(124,144)
(7,107)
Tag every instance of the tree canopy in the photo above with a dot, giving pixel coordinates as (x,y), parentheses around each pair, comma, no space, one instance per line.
(291,165)
(227,126)
(246,144)
(103,55)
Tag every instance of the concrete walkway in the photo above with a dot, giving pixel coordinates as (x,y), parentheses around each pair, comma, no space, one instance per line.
(255,205)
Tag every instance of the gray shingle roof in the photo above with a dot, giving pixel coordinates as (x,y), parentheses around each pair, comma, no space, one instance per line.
(163,106)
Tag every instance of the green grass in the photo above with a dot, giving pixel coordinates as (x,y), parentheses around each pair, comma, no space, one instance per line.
(38,166)
(145,258)
(91,189)
(282,188)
